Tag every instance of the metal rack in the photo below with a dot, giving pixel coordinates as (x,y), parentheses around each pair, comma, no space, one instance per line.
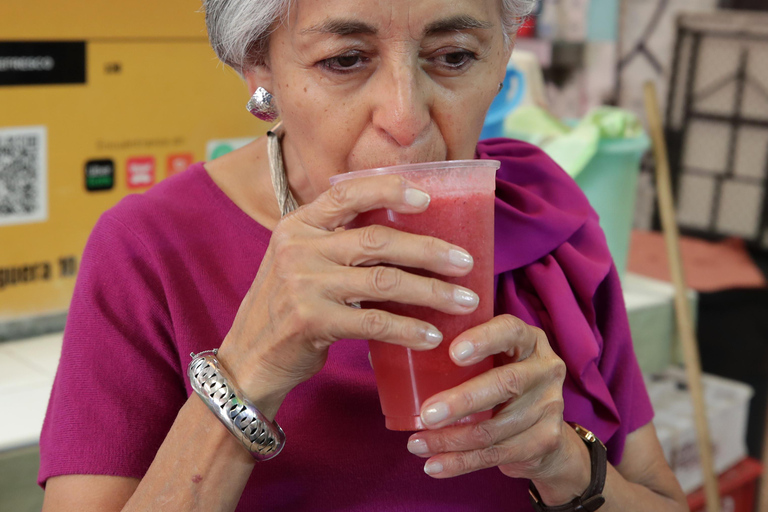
(717,124)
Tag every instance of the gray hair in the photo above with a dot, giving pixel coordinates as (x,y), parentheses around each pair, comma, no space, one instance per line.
(239,29)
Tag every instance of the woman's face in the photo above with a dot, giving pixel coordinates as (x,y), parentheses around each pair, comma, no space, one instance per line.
(370,83)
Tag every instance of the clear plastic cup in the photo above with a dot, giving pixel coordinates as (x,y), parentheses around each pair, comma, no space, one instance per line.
(460,212)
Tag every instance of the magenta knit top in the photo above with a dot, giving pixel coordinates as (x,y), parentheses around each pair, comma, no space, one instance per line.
(163,275)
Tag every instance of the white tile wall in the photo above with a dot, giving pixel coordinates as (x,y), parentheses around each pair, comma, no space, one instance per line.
(27,369)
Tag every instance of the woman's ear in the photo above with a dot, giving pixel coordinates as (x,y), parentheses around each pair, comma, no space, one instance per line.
(259,76)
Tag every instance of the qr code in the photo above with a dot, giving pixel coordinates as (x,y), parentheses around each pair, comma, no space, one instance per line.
(23,175)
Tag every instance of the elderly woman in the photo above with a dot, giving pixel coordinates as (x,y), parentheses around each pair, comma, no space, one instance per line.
(208,259)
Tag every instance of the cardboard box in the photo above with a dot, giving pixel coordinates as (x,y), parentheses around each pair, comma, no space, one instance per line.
(727,403)
(98,99)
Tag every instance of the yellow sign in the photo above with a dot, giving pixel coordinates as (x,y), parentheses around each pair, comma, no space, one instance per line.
(98,99)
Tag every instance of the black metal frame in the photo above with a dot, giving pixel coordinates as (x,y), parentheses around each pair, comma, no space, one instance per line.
(676,138)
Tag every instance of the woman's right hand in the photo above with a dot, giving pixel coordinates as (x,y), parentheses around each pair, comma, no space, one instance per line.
(299,302)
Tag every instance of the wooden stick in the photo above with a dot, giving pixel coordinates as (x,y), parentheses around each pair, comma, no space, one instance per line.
(685,325)
(763,496)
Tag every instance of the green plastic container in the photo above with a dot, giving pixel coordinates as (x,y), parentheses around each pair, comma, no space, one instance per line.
(610,183)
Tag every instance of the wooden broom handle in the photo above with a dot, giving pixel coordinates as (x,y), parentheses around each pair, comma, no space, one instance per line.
(685,325)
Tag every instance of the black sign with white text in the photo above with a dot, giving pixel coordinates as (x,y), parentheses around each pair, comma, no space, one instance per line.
(38,63)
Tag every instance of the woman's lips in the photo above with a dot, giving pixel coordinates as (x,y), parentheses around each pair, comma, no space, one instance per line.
(389,162)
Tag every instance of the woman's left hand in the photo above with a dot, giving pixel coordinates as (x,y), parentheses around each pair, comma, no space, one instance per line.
(527,437)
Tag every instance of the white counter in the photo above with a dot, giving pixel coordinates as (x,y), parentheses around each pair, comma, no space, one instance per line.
(27,367)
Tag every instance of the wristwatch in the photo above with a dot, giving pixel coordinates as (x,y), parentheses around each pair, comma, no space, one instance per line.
(592,499)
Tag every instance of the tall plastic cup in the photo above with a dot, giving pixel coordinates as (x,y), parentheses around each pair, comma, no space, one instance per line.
(460,212)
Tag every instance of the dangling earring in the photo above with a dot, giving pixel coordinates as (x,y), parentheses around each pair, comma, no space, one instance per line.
(262,105)
(501,86)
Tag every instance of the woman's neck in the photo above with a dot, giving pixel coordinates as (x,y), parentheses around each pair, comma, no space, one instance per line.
(243,175)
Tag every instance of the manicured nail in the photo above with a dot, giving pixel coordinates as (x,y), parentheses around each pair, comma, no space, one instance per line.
(463,350)
(418,447)
(417,198)
(460,258)
(465,297)
(433,336)
(435,413)
(433,468)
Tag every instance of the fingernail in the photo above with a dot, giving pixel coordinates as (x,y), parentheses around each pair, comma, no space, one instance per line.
(433,336)
(460,258)
(465,297)
(463,350)
(417,198)
(433,468)
(418,447)
(435,413)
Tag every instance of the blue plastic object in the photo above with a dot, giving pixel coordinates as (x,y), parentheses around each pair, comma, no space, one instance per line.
(507,99)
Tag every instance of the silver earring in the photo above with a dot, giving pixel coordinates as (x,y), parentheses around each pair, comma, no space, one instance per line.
(501,86)
(262,105)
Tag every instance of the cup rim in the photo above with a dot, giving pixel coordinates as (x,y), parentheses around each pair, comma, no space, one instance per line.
(423,166)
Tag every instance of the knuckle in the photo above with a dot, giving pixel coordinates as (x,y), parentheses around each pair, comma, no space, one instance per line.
(551,437)
(559,369)
(482,435)
(432,247)
(511,471)
(468,401)
(303,318)
(398,182)
(338,195)
(487,332)
(383,280)
(514,326)
(438,444)
(508,382)
(437,290)
(373,239)
(375,323)
(462,463)
(489,457)
(287,249)
(555,408)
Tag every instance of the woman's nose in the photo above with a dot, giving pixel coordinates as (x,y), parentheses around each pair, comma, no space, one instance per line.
(402,105)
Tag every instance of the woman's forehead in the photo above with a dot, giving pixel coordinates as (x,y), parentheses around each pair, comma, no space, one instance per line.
(383,18)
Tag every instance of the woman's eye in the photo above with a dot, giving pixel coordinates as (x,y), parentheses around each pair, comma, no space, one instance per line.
(456,60)
(344,63)
(347,61)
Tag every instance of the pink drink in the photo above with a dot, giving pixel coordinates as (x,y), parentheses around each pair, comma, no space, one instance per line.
(460,212)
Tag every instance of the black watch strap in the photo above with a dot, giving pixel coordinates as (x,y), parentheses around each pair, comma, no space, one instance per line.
(592,499)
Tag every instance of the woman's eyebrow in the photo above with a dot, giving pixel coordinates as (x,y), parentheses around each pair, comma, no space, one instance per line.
(341,27)
(347,27)
(457,23)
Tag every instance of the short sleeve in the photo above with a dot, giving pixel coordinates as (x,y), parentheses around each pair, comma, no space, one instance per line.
(618,363)
(118,386)
(574,295)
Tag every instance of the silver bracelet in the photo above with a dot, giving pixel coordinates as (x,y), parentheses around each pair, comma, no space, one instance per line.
(262,438)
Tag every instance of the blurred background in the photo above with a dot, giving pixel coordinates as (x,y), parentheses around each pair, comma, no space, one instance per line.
(102,99)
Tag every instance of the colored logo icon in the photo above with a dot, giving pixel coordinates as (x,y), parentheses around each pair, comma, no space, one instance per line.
(179,163)
(221,150)
(99,175)
(216,148)
(140,171)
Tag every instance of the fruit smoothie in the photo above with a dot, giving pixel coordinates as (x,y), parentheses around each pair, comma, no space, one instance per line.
(460,212)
